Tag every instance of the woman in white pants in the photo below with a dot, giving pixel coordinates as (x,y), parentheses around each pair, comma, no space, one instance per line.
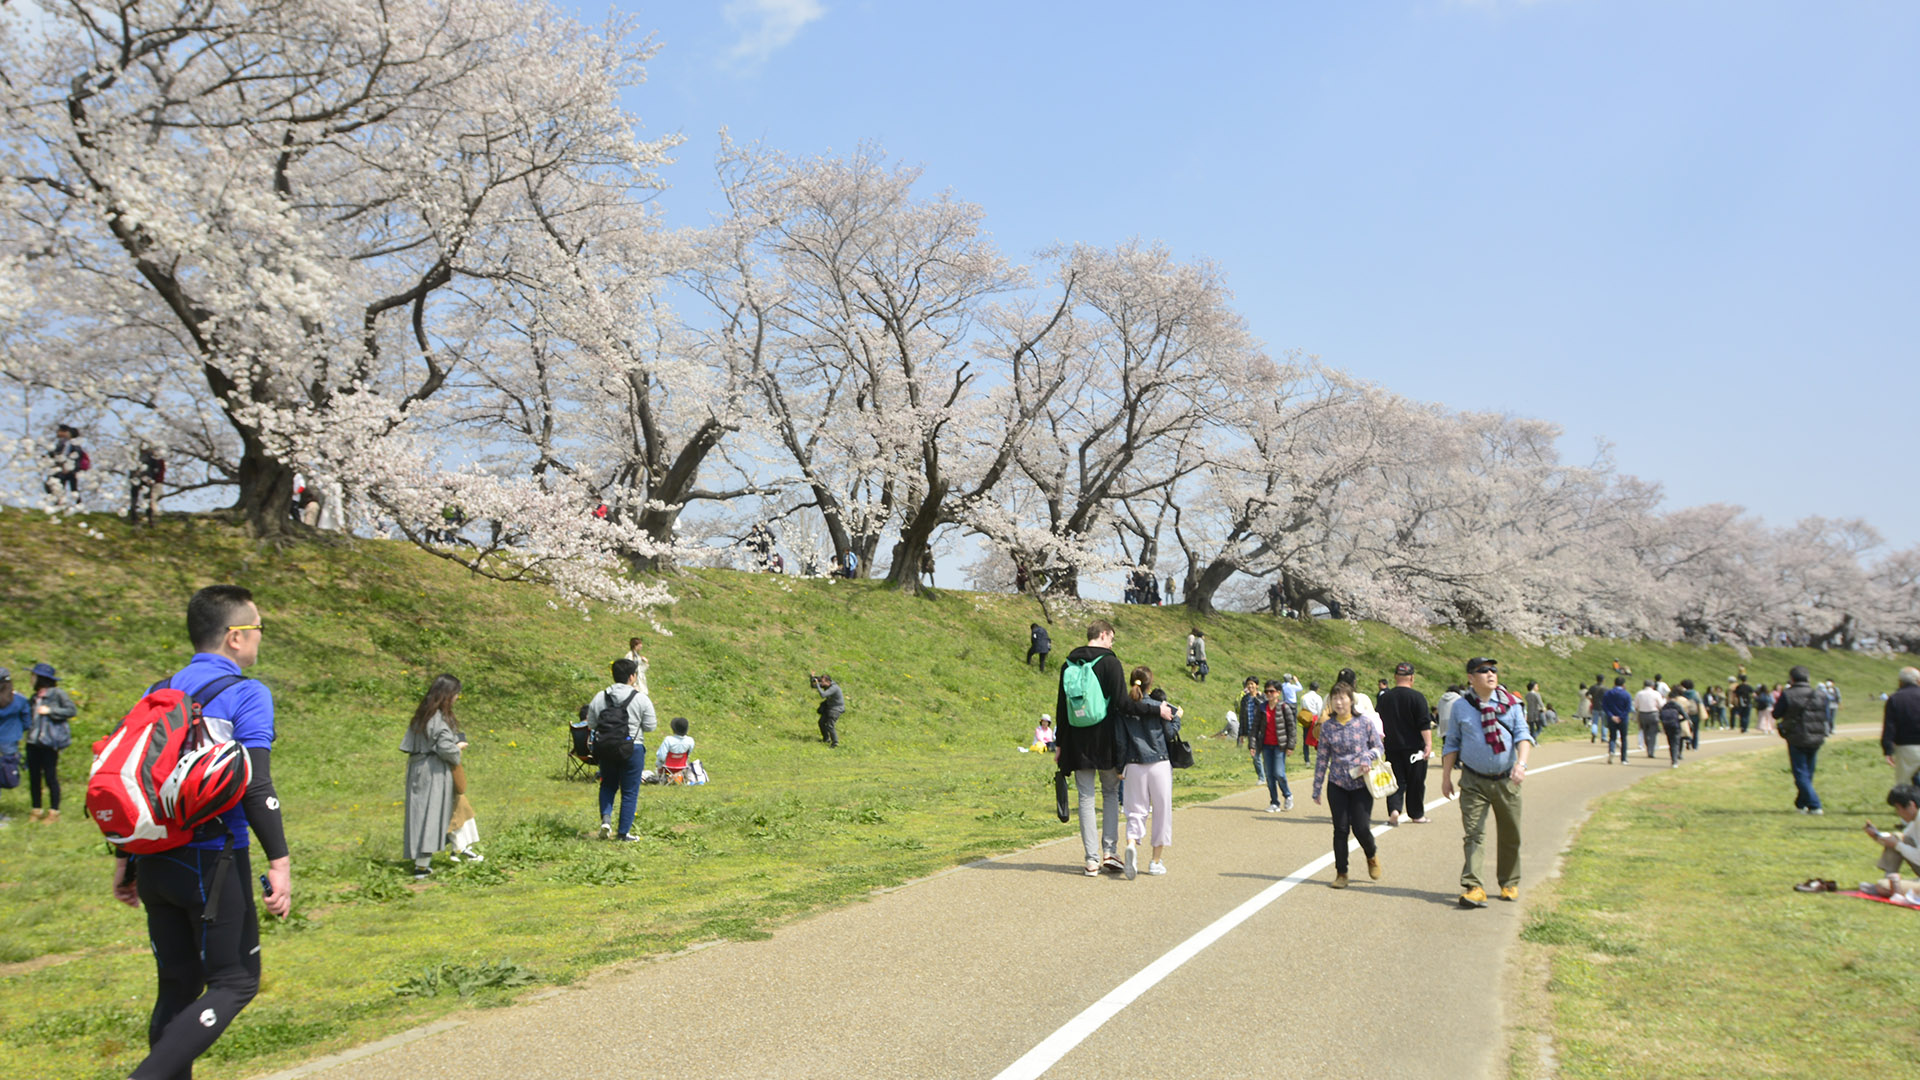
(1148,775)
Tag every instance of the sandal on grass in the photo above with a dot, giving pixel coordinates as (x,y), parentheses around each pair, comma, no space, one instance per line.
(1812,885)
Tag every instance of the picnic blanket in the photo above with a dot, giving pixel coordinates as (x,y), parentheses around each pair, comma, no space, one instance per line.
(1902,902)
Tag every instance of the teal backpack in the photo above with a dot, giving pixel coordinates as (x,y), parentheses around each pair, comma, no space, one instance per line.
(1086,701)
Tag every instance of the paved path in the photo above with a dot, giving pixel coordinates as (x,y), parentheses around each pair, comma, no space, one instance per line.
(1231,965)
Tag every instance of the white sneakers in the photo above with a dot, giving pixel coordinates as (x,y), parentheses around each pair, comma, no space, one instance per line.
(1273,808)
(1131,862)
(1289,803)
(606,830)
(1156,867)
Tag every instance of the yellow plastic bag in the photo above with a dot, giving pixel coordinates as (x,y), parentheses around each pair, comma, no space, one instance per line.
(1380,779)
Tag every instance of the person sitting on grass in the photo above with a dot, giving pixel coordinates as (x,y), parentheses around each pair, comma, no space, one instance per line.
(1043,735)
(1902,847)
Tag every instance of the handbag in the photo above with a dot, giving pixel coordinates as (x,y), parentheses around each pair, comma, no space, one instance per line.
(1179,751)
(9,771)
(1380,780)
(1060,794)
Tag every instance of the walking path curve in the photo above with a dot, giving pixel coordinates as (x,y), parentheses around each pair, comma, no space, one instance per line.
(1020,966)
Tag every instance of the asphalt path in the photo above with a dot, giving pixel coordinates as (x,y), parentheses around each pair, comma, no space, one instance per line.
(1240,961)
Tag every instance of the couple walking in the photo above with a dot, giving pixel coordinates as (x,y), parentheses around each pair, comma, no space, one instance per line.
(1114,722)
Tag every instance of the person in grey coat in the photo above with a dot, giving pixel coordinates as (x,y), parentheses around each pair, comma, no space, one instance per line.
(833,704)
(48,733)
(432,745)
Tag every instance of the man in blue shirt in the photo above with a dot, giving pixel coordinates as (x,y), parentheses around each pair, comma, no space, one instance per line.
(199,897)
(1617,704)
(1486,735)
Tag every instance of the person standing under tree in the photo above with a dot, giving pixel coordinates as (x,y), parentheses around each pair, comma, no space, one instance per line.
(433,745)
(1409,743)
(640,666)
(143,484)
(201,920)
(1485,734)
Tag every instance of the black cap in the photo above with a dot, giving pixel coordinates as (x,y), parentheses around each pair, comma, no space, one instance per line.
(1479,662)
(1403,668)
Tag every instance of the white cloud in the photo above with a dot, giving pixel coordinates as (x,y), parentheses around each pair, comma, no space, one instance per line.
(766,26)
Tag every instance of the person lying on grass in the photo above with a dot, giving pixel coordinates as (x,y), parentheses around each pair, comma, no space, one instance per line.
(1902,847)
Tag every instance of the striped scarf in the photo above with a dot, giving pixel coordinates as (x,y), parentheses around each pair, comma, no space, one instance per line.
(1490,712)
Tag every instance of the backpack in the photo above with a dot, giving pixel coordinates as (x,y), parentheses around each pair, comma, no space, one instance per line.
(161,775)
(85,461)
(1086,700)
(610,743)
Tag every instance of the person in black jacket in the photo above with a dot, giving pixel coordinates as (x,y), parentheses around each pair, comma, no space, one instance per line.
(1092,750)
(1900,728)
(1800,715)
(1038,643)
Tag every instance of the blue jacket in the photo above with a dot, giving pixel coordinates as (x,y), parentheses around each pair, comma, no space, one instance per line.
(13,723)
(1617,703)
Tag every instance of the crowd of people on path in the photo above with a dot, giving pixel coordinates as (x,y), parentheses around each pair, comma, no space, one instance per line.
(1120,742)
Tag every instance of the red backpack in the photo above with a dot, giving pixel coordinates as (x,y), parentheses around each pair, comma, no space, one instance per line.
(161,775)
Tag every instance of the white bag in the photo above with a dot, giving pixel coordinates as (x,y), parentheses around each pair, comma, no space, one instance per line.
(1380,779)
(696,772)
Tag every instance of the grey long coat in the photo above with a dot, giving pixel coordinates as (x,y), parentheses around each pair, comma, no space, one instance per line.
(431,756)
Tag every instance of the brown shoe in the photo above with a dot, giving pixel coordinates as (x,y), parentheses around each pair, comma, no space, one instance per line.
(1373,867)
(36,814)
(52,816)
(1509,892)
(1474,897)
(1339,881)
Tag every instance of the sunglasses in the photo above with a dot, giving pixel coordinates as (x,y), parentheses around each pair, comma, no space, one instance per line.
(1485,671)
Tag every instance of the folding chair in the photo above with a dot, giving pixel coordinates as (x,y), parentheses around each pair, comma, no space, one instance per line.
(580,763)
(674,769)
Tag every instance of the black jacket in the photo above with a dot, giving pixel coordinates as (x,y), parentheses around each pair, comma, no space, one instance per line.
(1096,746)
(1039,641)
(1801,715)
(1901,725)
(1143,738)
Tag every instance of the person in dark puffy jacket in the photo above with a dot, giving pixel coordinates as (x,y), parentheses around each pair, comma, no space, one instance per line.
(1038,644)
(1800,716)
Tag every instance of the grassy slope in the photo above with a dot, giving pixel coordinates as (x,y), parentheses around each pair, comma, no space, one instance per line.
(1676,947)
(927,776)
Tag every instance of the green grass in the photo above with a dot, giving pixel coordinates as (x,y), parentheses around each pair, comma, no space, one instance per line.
(1675,945)
(928,775)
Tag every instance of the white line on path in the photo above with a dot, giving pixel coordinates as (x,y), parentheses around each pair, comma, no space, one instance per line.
(1038,1060)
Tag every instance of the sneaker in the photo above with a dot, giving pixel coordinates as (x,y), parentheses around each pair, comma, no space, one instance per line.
(1816,811)
(1288,805)
(1131,867)
(1675,765)
(606,830)
(1156,867)
(1509,893)
(1112,864)
(474,856)
(1373,867)
(629,838)
(1609,757)
(1474,897)
(1273,808)
(1339,881)
(422,873)
(1093,867)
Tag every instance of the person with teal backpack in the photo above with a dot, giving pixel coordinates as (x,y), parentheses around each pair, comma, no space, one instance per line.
(1093,690)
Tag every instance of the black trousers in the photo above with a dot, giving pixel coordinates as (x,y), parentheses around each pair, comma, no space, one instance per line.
(43,764)
(1352,813)
(830,729)
(208,971)
(1743,714)
(1411,799)
(1043,658)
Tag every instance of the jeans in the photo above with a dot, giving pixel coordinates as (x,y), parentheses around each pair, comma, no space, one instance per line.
(1802,762)
(1109,803)
(1617,730)
(1743,715)
(624,779)
(43,766)
(1352,815)
(1274,763)
(1674,741)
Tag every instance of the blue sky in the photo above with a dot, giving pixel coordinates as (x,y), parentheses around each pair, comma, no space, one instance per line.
(1689,229)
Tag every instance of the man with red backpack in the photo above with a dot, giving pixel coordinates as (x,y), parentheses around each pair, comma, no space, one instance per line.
(201,919)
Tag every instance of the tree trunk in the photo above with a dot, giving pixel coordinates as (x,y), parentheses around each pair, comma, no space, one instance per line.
(1201,589)
(266,491)
(914,540)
